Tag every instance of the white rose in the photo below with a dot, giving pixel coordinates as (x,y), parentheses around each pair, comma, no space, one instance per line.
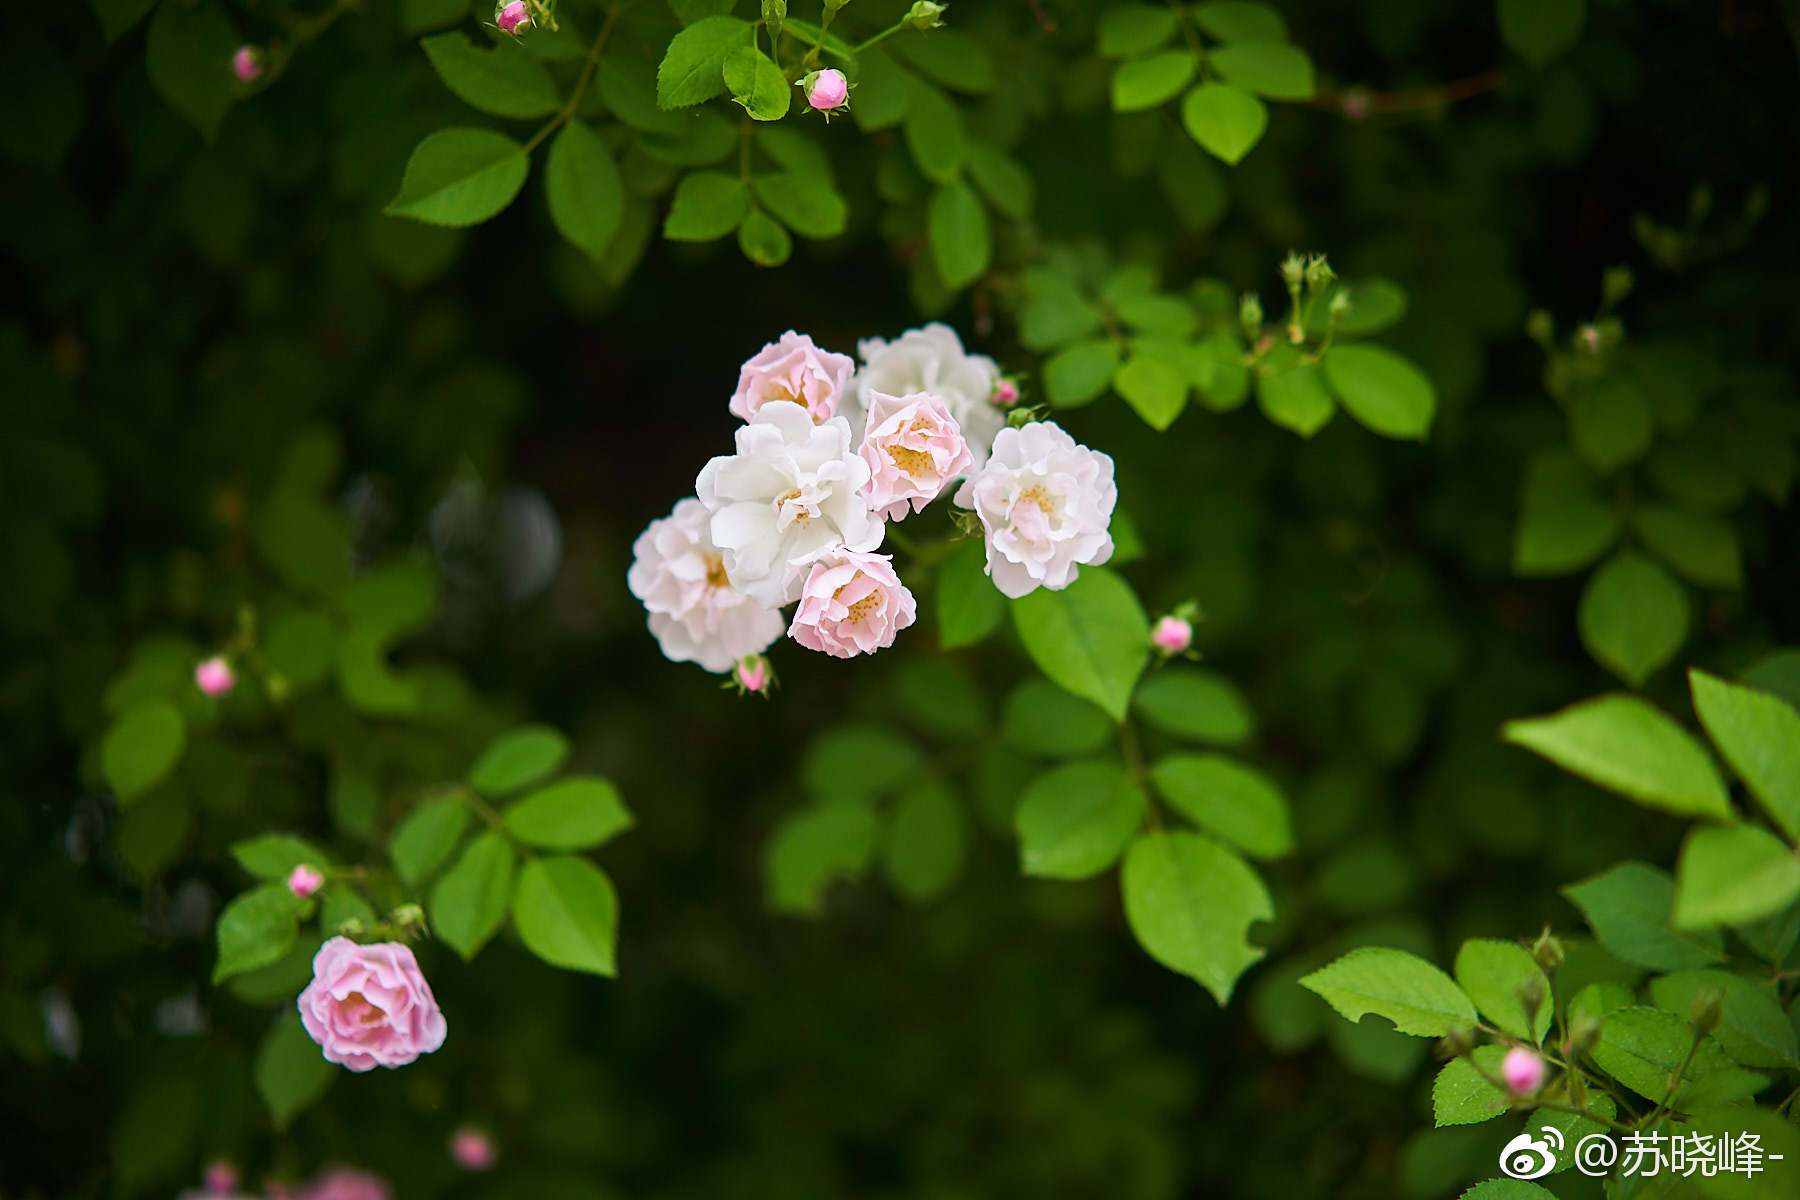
(791,493)
(695,613)
(932,360)
(1045,502)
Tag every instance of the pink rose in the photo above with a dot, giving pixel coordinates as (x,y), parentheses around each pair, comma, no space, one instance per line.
(347,1183)
(1172,635)
(827,90)
(914,448)
(369,1006)
(793,371)
(852,603)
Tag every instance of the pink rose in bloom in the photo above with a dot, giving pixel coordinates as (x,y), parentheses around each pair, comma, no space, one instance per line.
(247,64)
(347,1183)
(695,613)
(852,603)
(369,1006)
(1523,1071)
(513,19)
(305,882)
(472,1149)
(1172,635)
(914,449)
(793,371)
(828,90)
(214,676)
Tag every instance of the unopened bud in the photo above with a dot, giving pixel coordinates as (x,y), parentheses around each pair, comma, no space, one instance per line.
(774,12)
(1172,635)
(1523,1071)
(826,91)
(512,17)
(305,881)
(1705,1011)
(1547,951)
(1615,285)
(1339,307)
(247,64)
(1250,315)
(1531,994)
(1318,272)
(1006,393)
(753,674)
(214,676)
(925,15)
(1293,270)
(408,917)
(472,1149)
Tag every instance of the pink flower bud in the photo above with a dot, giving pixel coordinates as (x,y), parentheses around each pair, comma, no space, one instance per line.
(513,19)
(1523,1071)
(220,1178)
(753,674)
(827,90)
(214,676)
(1006,393)
(472,1149)
(1172,635)
(247,64)
(305,882)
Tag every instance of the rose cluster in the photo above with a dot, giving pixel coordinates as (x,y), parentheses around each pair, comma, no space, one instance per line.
(828,454)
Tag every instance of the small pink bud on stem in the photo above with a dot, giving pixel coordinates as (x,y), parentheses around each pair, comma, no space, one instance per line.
(512,18)
(247,64)
(753,674)
(827,91)
(220,1178)
(472,1149)
(1172,635)
(305,881)
(1006,392)
(214,676)
(1523,1071)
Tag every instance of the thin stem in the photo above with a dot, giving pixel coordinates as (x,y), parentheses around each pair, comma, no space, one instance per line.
(1554,1105)
(581,82)
(1357,103)
(883,36)
(1674,1082)
(812,55)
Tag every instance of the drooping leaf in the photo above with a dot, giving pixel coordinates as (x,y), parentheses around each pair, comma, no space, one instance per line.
(1190,903)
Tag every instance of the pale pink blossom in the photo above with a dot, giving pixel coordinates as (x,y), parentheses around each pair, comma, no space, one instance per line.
(931,359)
(793,371)
(347,1183)
(305,881)
(472,1149)
(827,90)
(369,1006)
(1523,1071)
(215,676)
(852,603)
(247,64)
(914,449)
(1172,635)
(695,613)
(513,18)
(1045,502)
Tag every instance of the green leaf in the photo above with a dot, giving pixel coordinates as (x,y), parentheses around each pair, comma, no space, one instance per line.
(291,1074)
(518,759)
(1044,720)
(763,241)
(468,904)
(256,929)
(1563,524)
(1627,907)
(1752,1028)
(567,914)
(395,598)
(1091,638)
(882,96)
(1133,29)
(1190,903)
(1704,549)
(584,188)
(1156,390)
(1597,999)
(1643,1047)
(1732,875)
(570,814)
(757,84)
(925,843)
(118,16)
(1633,617)
(504,81)
(427,836)
(934,131)
(1074,821)
(808,205)
(1609,424)
(1229,800)
(1417,997)
(960,243)
(813,849)
(1628,746)
(273,856)
(1234,21)
(302,645)
(1375,304)
(1196,705)
(857,762)
(1461,1095)
(956,60)
(1759,735)
(1055,312)
(1273,69)
(1495,975)
(969,606)
(141,747)
(1541,29)
(692,69)
(1507,1189)
(707,206)
(1227,121)
(1005,183)
(1382,390)
(460,177)
(1080,373)
(187,57)
(1147,82)
(1292,392)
